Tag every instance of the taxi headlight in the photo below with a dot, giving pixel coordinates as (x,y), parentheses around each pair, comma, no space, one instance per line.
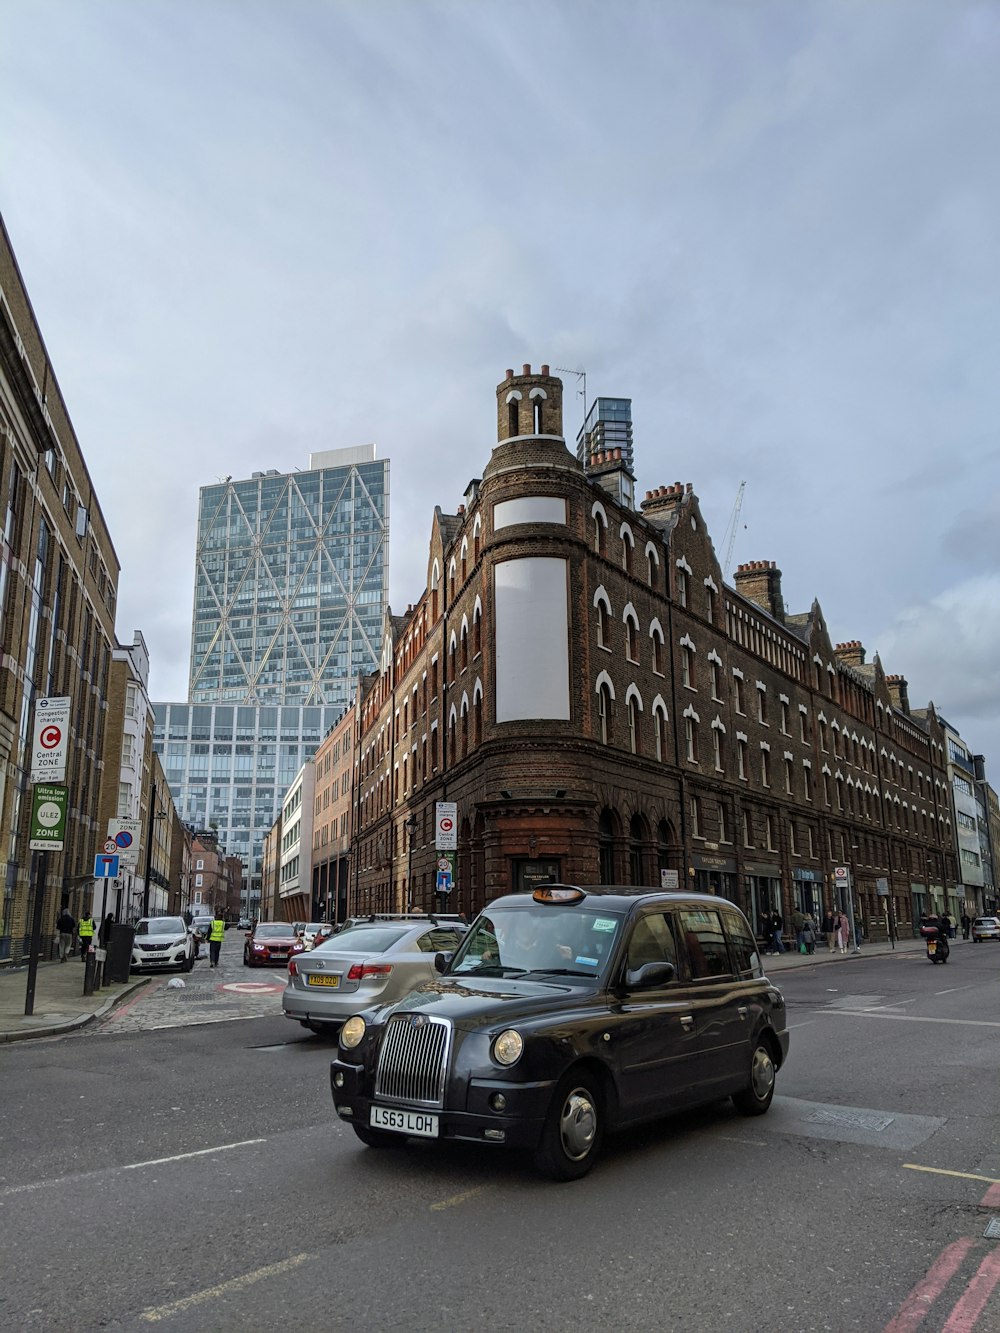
(507,1047)
(352,1033)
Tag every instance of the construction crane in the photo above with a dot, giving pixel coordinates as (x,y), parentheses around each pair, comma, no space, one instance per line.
(731,531)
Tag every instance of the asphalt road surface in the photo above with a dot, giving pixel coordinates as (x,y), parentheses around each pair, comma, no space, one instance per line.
(159,1172)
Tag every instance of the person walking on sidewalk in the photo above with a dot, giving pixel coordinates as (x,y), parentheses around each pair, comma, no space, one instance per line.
(777,925)
(766,931)
(966,925)
(215,937)
(809,934)
(829,928)
(86,930)
(842,932)
(66,926)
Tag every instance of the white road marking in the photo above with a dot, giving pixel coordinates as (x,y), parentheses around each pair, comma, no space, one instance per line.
(459,1198)
(158,1312)
(132,1166)
(952,989)
(909,1018)
(201,1152)
(793,1026)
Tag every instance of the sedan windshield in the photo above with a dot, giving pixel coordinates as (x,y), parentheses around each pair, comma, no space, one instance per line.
(161,925)
(561,941)
(272,931)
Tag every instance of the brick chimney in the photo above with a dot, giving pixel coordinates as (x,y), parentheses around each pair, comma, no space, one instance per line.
(899,692)
(852,653)
(759,581)
(611,472)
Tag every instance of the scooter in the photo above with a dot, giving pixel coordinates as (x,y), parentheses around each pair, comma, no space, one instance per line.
(938,949)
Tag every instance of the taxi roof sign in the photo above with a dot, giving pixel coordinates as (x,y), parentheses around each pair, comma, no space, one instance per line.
(553,894)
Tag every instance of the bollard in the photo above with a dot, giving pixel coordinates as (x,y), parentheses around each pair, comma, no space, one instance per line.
(100,967)
(89,968)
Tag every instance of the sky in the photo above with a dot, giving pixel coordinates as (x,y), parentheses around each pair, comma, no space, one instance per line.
(256,229)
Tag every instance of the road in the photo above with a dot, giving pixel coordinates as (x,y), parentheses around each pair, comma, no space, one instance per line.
(157,1172)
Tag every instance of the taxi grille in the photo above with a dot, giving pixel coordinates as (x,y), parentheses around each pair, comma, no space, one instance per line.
(413,1059)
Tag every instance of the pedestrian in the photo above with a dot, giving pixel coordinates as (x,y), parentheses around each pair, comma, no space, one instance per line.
(948,925)
(809,934)
(86,930)
(215,937)
(188,916)
(766,931)
(966,925)
(66,927)
(829,927)
(799,925)
(106,925)
(842,931)
(777,925)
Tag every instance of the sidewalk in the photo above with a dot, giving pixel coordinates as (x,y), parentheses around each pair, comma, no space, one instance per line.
(60,1004)
(783,961)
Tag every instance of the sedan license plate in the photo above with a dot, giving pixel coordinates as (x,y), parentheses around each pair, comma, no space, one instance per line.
(323,981)
(417,1123)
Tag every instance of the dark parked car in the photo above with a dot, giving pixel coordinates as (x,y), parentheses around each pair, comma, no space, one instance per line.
(269,942)
(564,1014)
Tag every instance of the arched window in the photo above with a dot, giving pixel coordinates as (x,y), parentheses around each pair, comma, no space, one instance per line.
(691,738)
(465,725)
(465,643)
(628,548)
(513,398)
(652,565)
(477,629)
(681,587)
(600,521)
(660,729)
(464,556)
(606,828)
(477,713)
(603,607)
(687,667)
(477,531)
(634,706)
(604,713)
(631,638)
(638,840)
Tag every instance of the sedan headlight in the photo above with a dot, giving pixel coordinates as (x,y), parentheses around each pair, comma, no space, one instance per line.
(507,1047)
(352,1033)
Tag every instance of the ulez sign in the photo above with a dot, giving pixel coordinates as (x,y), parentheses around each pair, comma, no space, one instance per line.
(48,817)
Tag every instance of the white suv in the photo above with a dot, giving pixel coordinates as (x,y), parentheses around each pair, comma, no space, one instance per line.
(162,942)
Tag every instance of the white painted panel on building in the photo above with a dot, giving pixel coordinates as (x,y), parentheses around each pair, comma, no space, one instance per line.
(529,509)
(531,598)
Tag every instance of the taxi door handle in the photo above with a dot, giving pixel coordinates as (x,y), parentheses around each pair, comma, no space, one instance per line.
(687,1022)
(742,1011)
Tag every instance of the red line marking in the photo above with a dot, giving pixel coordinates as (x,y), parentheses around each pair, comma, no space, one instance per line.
(142,992)
(970,1305)
(991,1199)
(918,1303)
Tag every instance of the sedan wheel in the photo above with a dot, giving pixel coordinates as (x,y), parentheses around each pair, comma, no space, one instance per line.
(574,1128)
(756,1096)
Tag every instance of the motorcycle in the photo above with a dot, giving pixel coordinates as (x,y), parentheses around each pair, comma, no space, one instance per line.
(938,949)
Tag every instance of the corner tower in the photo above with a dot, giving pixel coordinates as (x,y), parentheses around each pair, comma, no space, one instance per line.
(529,405)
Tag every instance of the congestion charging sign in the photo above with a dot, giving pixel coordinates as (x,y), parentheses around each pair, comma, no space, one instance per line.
(49,742)
(445,826)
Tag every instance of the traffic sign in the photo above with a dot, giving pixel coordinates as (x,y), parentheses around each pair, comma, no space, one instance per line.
(125,835)
(111,846)
(443,881)
(446,830)
(48,817)
(49,739)
(106,867)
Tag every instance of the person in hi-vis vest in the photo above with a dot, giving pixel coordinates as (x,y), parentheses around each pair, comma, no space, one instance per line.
(215,940)
(86,930)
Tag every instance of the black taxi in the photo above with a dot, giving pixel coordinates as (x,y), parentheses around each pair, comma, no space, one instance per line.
(564,1014)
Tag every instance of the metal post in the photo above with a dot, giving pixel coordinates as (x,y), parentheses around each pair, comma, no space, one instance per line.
(149,847)
(38,860)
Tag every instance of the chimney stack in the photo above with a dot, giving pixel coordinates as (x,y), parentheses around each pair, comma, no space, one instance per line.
(899,692)
(759,581)
(852,653)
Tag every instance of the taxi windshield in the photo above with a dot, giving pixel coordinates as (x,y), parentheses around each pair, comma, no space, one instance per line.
(558,940)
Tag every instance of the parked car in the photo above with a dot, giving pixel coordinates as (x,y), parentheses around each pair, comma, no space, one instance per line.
(269,942)
(370,963)
(244,923)
(162,943)
(986,928)
(308,930)
(201,925)
(564,1014)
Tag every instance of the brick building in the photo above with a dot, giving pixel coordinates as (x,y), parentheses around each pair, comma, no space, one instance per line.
(577,677)
(58,590)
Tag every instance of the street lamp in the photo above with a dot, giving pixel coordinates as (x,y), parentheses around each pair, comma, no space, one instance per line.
(855,847)
(411,827)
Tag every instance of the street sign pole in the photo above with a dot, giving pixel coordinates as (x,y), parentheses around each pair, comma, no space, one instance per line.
(38,865)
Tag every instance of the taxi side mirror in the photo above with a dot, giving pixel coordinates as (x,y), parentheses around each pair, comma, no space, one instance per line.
(441,961)
(649,976)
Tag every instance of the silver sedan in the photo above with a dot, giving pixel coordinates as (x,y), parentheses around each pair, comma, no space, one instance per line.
(367,964)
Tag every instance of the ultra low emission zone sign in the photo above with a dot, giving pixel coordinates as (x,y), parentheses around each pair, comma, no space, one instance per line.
(48,817)
(49,740)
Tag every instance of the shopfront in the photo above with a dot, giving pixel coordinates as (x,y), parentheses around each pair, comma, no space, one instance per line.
(807,893)
(715,874)
(762,887)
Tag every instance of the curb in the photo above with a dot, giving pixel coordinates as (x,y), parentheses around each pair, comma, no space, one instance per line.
(71,1024)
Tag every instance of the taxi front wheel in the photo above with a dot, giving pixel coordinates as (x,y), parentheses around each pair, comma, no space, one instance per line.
(574,1128)
(755,1098)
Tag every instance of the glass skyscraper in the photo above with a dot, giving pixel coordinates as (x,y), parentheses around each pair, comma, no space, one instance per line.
(608,426)
(291,582)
